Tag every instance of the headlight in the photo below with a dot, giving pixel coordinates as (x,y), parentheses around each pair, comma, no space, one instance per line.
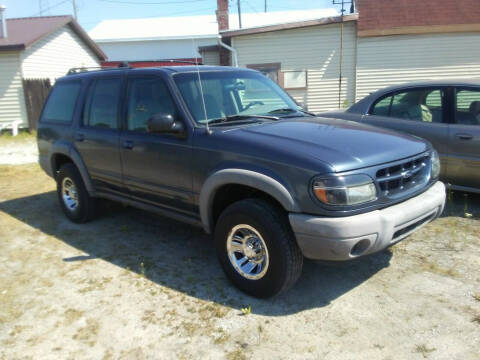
(344,190)
(435,160)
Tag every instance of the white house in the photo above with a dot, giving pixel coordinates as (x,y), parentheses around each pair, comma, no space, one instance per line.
(150,40)
(382,44)
(39,48)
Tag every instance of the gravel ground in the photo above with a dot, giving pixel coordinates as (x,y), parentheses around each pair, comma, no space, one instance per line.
(131,285)
(21,149)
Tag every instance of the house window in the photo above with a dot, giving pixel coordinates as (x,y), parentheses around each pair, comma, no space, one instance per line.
(295,79)
(271,70)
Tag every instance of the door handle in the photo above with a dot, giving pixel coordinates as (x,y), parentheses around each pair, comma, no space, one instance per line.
(79,137)
(128,144)
(464,136)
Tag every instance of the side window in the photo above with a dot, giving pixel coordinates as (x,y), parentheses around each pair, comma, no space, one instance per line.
(434,103)
(61,103)
(418,105)
(382,107)
(101,107)
(467,108)
(147,96)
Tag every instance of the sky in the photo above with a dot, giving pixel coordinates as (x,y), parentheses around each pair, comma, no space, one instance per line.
(91,12)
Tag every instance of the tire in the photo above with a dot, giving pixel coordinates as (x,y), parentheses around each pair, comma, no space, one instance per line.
(261,224)
(75,202)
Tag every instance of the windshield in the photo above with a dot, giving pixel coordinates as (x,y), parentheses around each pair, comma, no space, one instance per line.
(231,93)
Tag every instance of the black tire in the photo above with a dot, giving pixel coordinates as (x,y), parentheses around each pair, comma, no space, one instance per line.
(85,208)
(284,256)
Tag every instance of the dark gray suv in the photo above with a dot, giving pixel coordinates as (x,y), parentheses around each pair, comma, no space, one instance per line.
(228,150)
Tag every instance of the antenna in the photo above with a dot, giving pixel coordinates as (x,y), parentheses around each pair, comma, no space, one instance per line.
(207,128)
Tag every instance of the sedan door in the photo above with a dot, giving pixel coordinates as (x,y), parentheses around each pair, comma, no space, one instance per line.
(417,111)
(465,139)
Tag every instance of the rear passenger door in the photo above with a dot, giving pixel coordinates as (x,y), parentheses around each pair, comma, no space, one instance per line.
(465,138)
(97,135)
(156,166)
(417,111)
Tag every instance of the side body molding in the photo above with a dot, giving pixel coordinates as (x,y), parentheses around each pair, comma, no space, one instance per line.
(68,150)
(249,178)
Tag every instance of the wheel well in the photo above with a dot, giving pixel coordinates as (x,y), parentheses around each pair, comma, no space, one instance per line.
(230,193)
(58,161)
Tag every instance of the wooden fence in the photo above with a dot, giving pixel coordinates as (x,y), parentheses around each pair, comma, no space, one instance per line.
(36,92)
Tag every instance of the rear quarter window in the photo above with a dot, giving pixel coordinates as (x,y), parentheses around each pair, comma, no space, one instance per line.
(61,102)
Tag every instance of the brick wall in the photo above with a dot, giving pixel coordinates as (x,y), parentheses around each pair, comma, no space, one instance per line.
(388,14)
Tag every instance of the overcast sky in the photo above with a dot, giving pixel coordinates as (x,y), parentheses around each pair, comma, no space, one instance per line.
(91,12)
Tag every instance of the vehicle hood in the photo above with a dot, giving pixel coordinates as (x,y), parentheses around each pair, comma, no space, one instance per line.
(345,145)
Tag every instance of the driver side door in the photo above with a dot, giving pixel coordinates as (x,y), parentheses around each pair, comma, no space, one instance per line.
(156,166)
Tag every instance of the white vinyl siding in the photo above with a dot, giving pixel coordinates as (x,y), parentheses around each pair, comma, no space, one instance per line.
(390,60)
(52,56)
(210,57)
(152,50)
(12,101)
(315,49)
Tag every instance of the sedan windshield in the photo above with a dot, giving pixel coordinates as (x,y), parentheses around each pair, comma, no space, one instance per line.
(229,94)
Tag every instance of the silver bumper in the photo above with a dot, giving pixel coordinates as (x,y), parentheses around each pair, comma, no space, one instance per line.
(349,237)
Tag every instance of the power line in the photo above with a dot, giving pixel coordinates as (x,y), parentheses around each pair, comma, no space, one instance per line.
(155,16)
(251,7)
(51,7)
(153,3)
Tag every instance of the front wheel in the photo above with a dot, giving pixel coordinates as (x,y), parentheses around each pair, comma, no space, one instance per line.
(257,248)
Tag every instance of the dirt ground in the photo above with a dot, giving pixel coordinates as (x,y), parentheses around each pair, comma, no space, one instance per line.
(131,285)
(20,149)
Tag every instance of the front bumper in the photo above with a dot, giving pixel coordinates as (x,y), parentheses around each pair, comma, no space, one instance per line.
(345,238)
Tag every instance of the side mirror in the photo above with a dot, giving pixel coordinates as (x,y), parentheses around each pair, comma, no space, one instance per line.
(164,123)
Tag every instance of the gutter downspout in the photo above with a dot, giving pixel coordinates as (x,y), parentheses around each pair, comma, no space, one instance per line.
(229,48)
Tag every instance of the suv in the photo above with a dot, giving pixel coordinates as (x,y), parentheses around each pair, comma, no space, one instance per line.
(227,149)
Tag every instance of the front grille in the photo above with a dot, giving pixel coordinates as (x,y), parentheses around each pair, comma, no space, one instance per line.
(403,177)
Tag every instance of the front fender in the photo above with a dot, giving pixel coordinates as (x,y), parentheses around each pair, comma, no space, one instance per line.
(245,177)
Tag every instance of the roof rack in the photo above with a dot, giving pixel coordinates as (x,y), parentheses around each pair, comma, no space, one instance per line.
(77,70)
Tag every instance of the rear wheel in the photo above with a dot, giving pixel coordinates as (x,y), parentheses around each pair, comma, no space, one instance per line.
(76,204)
(257,248)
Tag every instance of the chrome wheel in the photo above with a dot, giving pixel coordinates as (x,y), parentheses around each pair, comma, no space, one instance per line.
(69,194)
(247,252)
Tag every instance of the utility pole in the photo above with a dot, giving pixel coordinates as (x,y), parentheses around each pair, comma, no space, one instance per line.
(265,5)
(239,14)
(74,3)
(341,2)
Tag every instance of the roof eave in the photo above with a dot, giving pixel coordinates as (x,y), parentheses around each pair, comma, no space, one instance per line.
(159,38)
(288,26)
(13,47)
(87,39)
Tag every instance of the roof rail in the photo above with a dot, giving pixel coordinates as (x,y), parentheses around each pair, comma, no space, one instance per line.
(77,70)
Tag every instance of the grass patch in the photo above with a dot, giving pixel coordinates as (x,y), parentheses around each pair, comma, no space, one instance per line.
(88,333)
(236,355)
(424,350)
(23,135)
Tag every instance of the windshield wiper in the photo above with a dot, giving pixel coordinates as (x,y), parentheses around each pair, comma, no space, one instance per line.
(290,110)
(231,118)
